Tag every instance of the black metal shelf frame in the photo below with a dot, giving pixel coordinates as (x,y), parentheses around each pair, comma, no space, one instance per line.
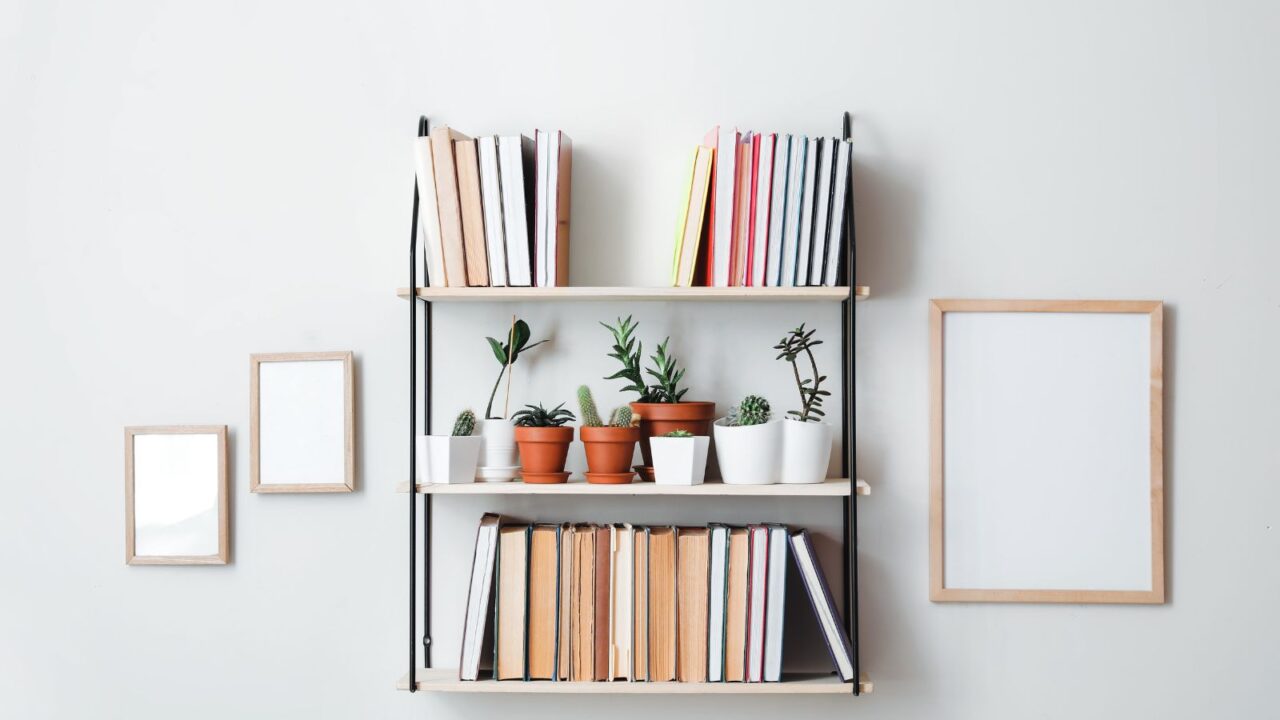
(848,460)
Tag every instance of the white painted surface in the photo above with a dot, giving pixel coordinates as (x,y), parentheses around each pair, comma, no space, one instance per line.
(303,422)
(1047,446)
(250,192)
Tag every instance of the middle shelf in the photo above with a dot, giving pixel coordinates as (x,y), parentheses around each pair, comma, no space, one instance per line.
(832,487)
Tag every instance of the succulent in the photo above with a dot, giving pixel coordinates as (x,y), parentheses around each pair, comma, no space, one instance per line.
(811,393)
(668,373)
(678,434)
(753,410)
(538,416)
(507,354)
(665,369)
(587,404)
(621,417)
(464,424)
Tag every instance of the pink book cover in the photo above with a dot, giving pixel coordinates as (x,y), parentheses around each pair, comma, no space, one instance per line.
(751,223)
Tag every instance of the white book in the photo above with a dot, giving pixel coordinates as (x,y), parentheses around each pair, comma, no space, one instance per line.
(432,250)
(542,144)
(550,264)
(757,581)
(764,181)
(491,199)
(621,574)
(805,252)
(824,607)
(478,597)
(777,206)
(835,231)
(791,218)
(726,171)
(777,594)
(514,174)
(716,595)
(821,211)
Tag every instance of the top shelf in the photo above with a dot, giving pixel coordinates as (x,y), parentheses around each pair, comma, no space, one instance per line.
(637,294)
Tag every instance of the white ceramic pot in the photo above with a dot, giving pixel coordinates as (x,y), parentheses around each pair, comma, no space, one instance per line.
(679,460)
(748,455)
(499,457)
(447,460)
(806,452)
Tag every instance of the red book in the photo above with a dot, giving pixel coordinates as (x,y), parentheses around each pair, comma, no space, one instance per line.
(711,140)
(751,222)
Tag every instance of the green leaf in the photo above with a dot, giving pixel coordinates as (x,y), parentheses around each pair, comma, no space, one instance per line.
(499,350)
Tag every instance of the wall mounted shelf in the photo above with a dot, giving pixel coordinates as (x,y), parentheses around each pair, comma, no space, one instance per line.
(637,294)
(833,487)
(446,680)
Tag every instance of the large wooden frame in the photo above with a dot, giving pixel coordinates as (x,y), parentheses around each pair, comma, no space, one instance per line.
(223,555)
(938,590)
(349,432)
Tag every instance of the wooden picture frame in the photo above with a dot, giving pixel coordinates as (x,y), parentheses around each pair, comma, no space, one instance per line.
(341,470)
(222,555)
(1143,443)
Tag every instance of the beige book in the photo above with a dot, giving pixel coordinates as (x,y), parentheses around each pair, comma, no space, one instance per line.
(455,264)
(544,594)
(509,642)
(693,565)
(582,645)
(735,617)
(662,604)
(621,601)
(472,213)
(640,609)
(564,611)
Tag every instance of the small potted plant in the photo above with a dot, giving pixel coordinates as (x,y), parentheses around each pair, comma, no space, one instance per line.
(544,442)
(450,459)
(680,458)
(661,405)
(748,443)
(498,462)
(609,448)
(806,439)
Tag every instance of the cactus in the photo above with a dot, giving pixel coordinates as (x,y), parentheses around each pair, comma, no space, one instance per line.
(620,417)
(465,424)
(587,404)
(753,410)
(679,434)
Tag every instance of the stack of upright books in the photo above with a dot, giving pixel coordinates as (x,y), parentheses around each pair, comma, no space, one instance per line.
(764,209)
(493,210)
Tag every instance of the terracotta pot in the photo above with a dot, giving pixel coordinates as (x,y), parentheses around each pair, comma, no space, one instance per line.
(543,450)
(658,419)
(609,449)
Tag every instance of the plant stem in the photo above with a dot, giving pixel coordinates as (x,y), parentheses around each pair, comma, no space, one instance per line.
(814,395)
(488,411)
(804,406)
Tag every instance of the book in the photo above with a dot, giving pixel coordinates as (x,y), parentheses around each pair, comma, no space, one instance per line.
(689,232)
(735,615)
(717,595)
(515,164)
(777,207)
(662,604)
(479,594)
(544,595)
(472,208)
(775,602)
(723,203)
(509,638)
(431,249)
(824,606)
(839,198)
(582,611)
(692,569)
(600,628)
(640,606)
(542,168)
(762,183)
(804,253)
(791,217)
(559,184)
(621,574)
(491,198)
(564,603)
(742,214)
(757,579)
(822,211)
(455,264)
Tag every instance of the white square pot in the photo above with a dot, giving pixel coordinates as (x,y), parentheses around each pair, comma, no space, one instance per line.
(679,460)
(806,452)
(749,455)
(447,460)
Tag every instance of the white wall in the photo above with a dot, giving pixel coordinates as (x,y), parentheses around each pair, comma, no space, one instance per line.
(182,184)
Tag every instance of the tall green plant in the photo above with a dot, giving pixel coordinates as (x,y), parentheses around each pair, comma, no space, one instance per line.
(507,353)
(665,368)
(792,345)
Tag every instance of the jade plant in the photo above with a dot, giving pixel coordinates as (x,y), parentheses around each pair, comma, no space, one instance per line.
(619,418)
(538,416)
(753,410)
(665,368)
(507,353)
(794,344)
(678,434)
(464,424)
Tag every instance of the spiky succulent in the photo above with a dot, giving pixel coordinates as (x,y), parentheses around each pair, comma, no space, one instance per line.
(538,416)
(753,410)
(464,424)
(678,434)
(587,406)
(667,371)
(620,417)
(811,393)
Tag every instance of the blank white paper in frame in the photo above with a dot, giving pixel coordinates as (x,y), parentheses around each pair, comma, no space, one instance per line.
(302,435)
(1048,487)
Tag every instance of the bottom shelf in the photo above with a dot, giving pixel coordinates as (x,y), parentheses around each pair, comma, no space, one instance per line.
(446,680)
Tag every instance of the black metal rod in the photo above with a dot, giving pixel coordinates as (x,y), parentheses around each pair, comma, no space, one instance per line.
(413,433)
(429,520)
(852,450)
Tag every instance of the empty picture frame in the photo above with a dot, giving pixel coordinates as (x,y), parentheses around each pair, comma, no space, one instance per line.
(301,423)
(175,490)
(1046,468)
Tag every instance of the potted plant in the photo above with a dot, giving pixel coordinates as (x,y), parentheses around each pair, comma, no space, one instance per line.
(661,406)
(544,442)
(450,459)
(806,439)
(498,462)
(679,458)
(609,447)
(748,443)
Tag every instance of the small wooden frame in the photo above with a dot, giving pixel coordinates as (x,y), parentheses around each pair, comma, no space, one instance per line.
(1094,369)
(284,468)
(215,474)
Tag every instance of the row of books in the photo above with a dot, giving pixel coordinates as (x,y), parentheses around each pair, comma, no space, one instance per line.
(494,210)
(763,209)
(643,604)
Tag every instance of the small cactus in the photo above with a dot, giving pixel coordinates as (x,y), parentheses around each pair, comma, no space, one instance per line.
(753,410)
(465,424)
(679,434)
(620,417)
(587,404)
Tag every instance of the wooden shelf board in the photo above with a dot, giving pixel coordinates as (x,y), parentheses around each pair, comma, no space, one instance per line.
(650,294)
(833,487)
(446,680)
